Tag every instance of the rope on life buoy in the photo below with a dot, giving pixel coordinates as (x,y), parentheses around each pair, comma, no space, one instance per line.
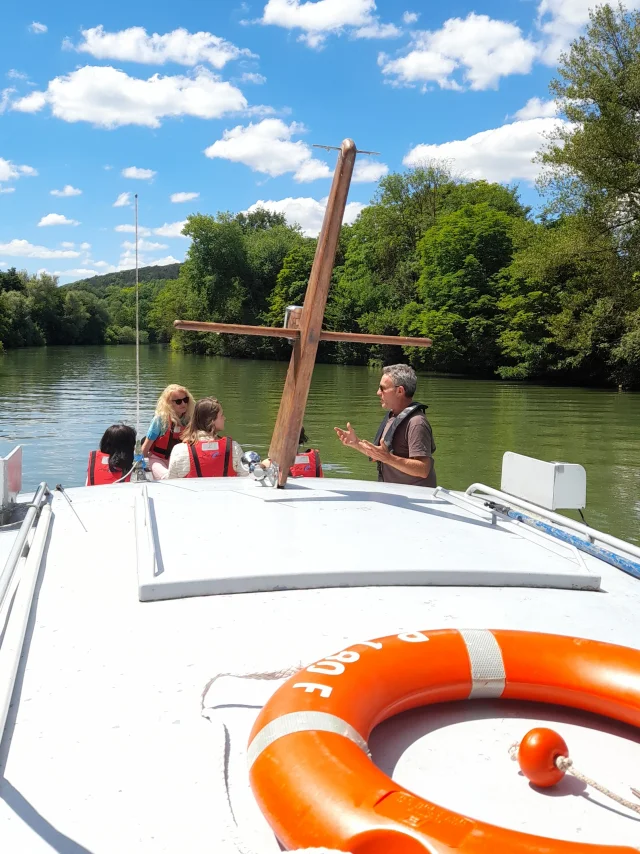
(544,759)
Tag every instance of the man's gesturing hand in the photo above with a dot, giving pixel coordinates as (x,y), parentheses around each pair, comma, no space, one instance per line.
(347,437)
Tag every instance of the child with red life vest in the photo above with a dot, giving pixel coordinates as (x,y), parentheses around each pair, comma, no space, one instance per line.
(114,461)
(307,463)
(202,452)
(173,412)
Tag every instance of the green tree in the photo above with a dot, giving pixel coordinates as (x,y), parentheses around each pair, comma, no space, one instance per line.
(46,306)
(462,258)
(20,330)
(592,164)
(12,280)
(291,281)
(592,179)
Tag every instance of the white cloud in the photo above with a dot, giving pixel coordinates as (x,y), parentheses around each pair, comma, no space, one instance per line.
(30,103)
(67,245)
(138,174)
(85,246)
(24,249)
(162,262)
(307,213)
(144,245)
(131,229)
(479,48)
(57,219)
(535,108)
(311,170)
(14,74)
(560,21)
(7,189)
(109,98)
(5,99)
(81,272)
(128,260)
(123,200)
(376,30)
(252,77)
(66,191)
(176,198)
(410,17)
(171,229)
(37,28)
(10,171)
(320,18)
(180,46)
(267,147)
(501,154)
(367,170)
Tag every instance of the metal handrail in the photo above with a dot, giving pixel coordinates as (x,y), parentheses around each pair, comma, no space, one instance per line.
(579,527)
(16,626)
(15,554)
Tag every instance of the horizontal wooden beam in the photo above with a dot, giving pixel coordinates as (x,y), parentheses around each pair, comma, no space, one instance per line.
(365,338)
(236,329)
(294,334)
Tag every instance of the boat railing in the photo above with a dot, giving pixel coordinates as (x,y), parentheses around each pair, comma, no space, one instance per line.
(592,534)
(33,512)
(16,614)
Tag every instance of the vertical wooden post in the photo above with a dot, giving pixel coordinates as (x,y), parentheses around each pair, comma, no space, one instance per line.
(284,442)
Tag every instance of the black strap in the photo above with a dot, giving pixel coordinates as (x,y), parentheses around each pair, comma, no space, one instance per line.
(92,468)
(172,443)
(317,458)
(407,412)
(196,461)
(227,454)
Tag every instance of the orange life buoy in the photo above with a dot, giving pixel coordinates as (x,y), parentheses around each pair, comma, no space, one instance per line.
(309,763)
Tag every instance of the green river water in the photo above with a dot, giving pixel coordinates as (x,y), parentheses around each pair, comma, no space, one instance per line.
(57,401)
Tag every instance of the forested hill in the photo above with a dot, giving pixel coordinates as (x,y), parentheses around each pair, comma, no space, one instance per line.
(125,278)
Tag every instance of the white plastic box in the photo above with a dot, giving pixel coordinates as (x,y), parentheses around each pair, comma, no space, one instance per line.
(10,477)
(554,485)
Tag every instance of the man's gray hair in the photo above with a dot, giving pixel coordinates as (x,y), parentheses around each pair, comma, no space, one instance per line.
(403,375)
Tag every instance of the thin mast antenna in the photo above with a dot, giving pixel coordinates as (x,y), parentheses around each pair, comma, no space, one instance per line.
(137,331)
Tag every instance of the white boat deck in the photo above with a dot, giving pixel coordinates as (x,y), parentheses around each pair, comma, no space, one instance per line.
(106,749)
(331,533)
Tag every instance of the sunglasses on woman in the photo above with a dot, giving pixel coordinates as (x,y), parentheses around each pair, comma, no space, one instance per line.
(180,400)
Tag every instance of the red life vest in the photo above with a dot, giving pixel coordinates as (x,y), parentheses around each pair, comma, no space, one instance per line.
(98,472)
(211,458)
(307,465)
(164,444)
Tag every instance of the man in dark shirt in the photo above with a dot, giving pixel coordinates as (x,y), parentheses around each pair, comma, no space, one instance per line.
(404,452)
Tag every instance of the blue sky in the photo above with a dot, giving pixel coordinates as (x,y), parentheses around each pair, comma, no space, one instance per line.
(224,99)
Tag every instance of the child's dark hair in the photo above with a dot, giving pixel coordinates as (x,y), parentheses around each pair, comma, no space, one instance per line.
(119,442)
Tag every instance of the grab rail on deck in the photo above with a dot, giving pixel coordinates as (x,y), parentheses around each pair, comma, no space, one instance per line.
(586,530)
(15,629)
(6,576)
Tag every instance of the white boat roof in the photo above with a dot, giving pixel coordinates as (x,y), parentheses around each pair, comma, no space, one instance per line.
(106,748)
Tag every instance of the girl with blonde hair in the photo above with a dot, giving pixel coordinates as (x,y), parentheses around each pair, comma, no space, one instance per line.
(173,412)
(203,452)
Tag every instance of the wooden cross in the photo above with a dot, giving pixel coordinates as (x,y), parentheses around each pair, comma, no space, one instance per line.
(304,327)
